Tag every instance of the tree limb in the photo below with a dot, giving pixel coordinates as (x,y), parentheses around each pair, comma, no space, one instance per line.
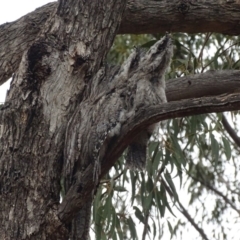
(210,83)
(181,16)
(140,17)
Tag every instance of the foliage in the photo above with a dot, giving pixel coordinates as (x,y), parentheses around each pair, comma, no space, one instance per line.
(191,178)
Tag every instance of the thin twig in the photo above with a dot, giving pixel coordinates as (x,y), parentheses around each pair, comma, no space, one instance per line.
(145,225)
(109,180)
(208,35)
(204,183)
(190,219)
(230,130)
(185,212)
(222,180)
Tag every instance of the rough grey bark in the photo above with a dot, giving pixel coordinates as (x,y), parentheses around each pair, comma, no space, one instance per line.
(210,83)
(54,76)
(17,36)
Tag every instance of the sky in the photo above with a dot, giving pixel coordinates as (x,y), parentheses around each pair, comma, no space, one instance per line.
(11,10)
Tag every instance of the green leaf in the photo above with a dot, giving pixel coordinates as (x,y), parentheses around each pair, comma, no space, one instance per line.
(175,127)
(148,44)
(171,184)
(227,148)
(214,148)
(178,152)
(153,150)
(132,228)
(170,228)
(180,175)
(107,213)
(120,189)
(183,61)
(133,182)
(161,207)
(113,225)
(139,214)
(143,187)
(149,184)
(158,158)
(148,202)
(119,229)
(164,200)
(98,223)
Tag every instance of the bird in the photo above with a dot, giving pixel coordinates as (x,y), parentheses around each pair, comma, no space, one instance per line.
(149,90)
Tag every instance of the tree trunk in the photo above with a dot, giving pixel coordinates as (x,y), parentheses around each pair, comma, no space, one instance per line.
(55,75)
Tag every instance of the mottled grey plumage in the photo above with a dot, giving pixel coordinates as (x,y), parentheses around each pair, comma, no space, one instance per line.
(119,92)
(150,90)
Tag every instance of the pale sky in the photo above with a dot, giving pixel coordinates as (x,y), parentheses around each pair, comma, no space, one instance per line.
(11,10)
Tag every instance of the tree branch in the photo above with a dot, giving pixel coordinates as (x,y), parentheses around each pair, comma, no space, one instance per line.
(140,17)
(145,229)
(191,220)
(82,188)
(185,212)
(230,131)
(210,83)
(217,192)
(181,16)
(175,109)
